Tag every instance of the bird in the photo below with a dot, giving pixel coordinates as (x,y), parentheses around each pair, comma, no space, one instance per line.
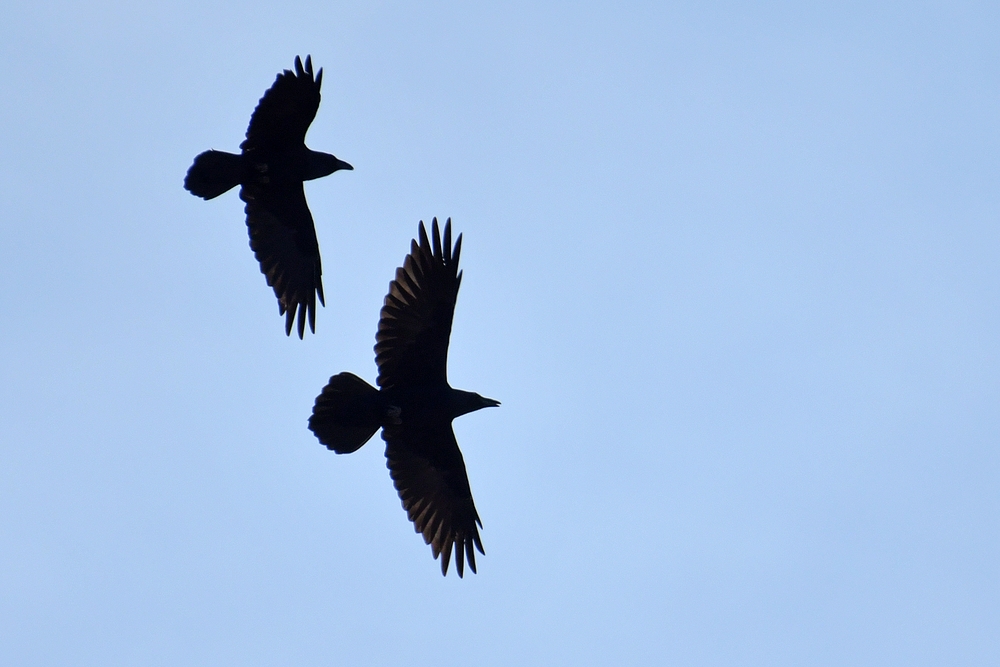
(271,168)
(414,404)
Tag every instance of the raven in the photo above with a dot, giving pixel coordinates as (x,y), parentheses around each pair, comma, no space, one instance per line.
(271,168)
(415,405)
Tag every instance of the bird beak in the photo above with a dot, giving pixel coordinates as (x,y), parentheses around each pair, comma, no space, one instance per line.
(343,165)
(491,403)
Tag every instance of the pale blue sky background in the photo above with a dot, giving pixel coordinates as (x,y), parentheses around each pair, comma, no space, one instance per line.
(732,271)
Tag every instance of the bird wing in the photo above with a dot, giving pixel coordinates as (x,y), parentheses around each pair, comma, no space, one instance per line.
(283,239)
(411,347)
(428,471)
(286,110)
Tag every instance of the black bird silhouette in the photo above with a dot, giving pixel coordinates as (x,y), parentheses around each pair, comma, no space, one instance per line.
(271,168)
(415,405)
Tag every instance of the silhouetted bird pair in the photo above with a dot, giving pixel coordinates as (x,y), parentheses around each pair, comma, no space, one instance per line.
(415,405)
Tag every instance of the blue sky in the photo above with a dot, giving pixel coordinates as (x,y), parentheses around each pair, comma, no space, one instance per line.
(732,271)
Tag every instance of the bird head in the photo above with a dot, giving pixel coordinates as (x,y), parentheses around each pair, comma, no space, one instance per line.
(464,402)
(324,164)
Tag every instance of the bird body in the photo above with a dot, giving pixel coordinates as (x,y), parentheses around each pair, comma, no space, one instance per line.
(415,404)
(273,163)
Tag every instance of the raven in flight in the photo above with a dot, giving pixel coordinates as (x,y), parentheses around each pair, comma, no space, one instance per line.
(271,168)
(415,405)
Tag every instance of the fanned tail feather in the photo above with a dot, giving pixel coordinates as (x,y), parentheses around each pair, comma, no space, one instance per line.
(346,413)
(213,173)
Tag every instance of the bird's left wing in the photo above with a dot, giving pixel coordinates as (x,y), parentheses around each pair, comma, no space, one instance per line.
(428,471)
(411,347)
(283,239)
(286,110)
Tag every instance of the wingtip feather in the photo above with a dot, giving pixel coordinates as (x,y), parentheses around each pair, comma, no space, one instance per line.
(459,561)
(457,252)
(470,554)
(423,243)
(446,558)
(447,242)
(436,239)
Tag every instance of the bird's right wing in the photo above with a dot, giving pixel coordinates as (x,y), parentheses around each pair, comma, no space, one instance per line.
(286,110)
(411,347)
(283,239)
(428,471)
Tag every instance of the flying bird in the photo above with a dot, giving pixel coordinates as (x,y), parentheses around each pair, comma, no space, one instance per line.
(271,168)
(414,405)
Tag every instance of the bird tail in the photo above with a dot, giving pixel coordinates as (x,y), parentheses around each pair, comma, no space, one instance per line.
(346,413)
(212,173)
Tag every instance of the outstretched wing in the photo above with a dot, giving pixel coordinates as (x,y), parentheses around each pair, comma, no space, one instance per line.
(428,471)
(287,109)
(411,347)
(283,240)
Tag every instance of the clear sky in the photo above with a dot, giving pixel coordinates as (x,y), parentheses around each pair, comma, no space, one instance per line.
(733,273)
